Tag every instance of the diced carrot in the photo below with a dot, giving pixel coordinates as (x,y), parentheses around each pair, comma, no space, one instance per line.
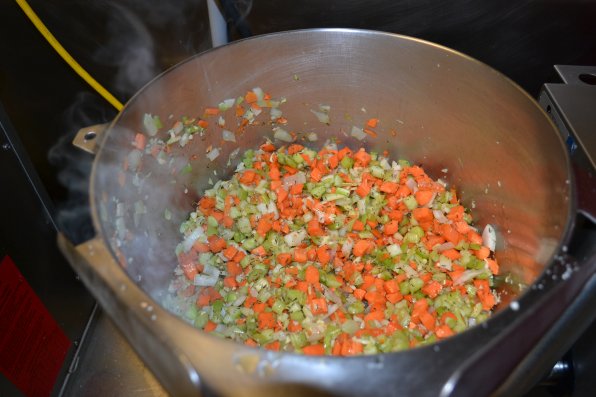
(343,152)
(250,97)
(473,237)
(318,306)
(316,174)
(230,252)
(358,226)
(284,258)
(297,188)
(443,331)
(311,274)
(482,253)
(394,297)
(362,158)
(432,289)
(294,326)
(203,300)
(230,282)
(391,286)
(314,350)
(268,147)
(333,161)
(251,342)
(456,213)
(210,326)
(274,173)
(362,247)
(211,111)
(359,293)
(295,148)
(422,214)
(313,228)
(391,228)
(389,187)
(259,251)
(323,255)
(275,345)
(493,266)
(450,234)
(216,244)
(263,226)
(266,320)
(300,255)
(351,347)
(452,254)
(234,268)
(423,197)
(372,123)
(247,177)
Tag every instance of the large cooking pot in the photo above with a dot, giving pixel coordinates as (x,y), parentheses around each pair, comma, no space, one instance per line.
(437,107)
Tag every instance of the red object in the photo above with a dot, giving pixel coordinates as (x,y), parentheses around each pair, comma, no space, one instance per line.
(32,345)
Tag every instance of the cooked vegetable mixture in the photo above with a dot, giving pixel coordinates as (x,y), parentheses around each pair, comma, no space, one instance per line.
(332,252)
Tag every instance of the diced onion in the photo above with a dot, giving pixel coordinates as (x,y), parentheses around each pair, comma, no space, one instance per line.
(440,216)
(151,124)
(294,239)
(412,185)
(228,136)
(296,179)
(358,133)
(282,135)
(213,154)
(489,237)
(205,280)
(467,275)
(322,117)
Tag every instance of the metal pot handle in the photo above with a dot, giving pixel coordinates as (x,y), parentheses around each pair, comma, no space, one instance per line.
(87,137)
(128,307)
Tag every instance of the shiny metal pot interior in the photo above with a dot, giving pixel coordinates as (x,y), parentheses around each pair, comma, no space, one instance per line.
(437,108)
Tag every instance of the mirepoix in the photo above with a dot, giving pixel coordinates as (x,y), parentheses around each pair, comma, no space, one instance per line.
(339,251)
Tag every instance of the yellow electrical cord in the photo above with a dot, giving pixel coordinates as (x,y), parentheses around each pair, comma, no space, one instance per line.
(66,56)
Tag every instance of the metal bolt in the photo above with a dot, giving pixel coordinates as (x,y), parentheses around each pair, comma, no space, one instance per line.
(6,146)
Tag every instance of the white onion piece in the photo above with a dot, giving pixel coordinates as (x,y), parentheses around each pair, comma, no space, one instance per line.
(275,113)
(489,237)
(213,154)
(444,247)
(206,280)
(228,136)
(297,178)
(346,248)
(322,117)
(312,136)
(358,133)
(412,185)
(295,238)
(394,250)
(134,159)
(431,201)
(467,275)
(149,122)
(192,238)
(282,135)
(440,216)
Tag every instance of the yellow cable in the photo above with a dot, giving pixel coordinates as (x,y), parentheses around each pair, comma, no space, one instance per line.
(66,56)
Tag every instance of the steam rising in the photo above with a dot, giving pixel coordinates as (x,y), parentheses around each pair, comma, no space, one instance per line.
(74,167)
